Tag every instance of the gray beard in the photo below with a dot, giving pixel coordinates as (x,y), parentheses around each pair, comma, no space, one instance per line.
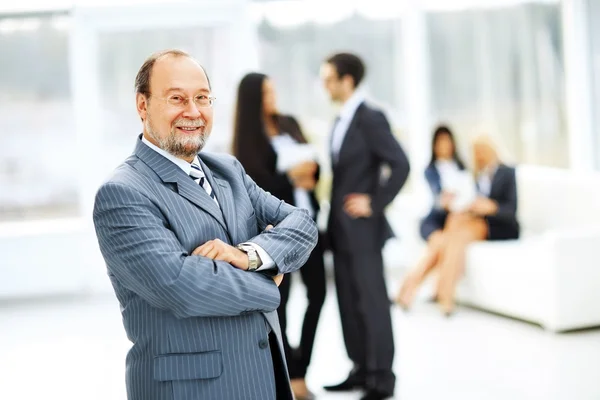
(181,147)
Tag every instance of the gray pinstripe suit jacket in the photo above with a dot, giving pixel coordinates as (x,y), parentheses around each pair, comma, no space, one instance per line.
(199,327)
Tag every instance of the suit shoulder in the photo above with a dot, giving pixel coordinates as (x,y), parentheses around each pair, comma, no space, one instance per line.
(372,114)
(219,160)
(371,109)
(507,168)
(430,170)
(123,174)
(131,175)
(286,118)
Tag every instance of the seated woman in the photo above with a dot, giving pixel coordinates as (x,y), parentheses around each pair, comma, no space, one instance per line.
(441,174)
(491,216)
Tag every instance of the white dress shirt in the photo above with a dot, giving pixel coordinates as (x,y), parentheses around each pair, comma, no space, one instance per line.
(484,179)
(267,261)
(345,118)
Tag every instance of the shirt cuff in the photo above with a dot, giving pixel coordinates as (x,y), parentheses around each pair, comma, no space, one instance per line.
(265,258)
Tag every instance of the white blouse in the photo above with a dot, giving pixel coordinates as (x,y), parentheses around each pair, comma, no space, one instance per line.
(290,153)
(457,181)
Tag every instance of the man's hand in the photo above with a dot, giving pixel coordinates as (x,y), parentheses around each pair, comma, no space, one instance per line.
(218,250)
(278,279)
(483,206)
(358,205)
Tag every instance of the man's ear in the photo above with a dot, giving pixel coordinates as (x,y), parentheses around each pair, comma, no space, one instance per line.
(348,82)
(141,105)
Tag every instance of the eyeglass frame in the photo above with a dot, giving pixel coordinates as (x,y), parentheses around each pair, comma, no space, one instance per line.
(186,100)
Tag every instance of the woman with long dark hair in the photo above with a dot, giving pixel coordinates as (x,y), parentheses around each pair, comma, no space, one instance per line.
(275,153)
(444,166)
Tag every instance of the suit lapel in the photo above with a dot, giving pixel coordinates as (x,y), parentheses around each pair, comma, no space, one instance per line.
(347,137)
(186,186)
(189,189)
(224,194)
(496,179)
(437,178)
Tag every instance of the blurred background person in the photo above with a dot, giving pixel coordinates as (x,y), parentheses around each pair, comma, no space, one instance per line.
(275,153)
(442,173)
(491,216)
(362,143)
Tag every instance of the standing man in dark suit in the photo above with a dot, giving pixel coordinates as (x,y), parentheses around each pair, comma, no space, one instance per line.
(361,145)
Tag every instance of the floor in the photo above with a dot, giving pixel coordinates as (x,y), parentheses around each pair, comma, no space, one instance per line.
(74,349)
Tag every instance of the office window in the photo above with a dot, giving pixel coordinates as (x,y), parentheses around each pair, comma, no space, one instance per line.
(292,56)
(500,72)
(38,179)
(594,35)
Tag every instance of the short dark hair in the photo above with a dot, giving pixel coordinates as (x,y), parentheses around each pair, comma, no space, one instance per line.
(142,79)
(348,64)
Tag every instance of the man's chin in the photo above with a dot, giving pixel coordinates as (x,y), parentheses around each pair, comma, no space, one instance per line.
(186,151)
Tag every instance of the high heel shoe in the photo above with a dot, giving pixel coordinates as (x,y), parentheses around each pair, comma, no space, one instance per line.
(402,302)
(447,309)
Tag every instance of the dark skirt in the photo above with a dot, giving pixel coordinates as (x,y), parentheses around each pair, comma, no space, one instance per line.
(502,231)
(435,220)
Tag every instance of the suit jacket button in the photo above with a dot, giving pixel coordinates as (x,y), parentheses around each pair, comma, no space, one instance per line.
(263,344)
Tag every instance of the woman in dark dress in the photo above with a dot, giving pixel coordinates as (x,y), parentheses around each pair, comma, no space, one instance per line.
(270,147)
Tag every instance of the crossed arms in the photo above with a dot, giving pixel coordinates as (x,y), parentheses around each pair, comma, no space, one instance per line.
(146,257)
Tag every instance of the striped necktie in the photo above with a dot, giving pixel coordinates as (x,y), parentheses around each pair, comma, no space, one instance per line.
(198,175)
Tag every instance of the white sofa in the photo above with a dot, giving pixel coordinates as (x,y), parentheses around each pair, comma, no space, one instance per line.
(50,258)
(551,275)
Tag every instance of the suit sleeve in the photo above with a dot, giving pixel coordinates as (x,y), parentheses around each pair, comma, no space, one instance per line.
(435,190)
(146,257)
(507,206)
(294,235)
(386,148)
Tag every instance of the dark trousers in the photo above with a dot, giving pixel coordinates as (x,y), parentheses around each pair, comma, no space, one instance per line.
(365,314)
(282,383)
(313,277)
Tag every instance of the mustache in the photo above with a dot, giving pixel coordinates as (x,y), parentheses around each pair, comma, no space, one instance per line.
(186,123)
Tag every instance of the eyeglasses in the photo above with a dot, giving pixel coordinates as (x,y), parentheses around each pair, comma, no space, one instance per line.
(179,101)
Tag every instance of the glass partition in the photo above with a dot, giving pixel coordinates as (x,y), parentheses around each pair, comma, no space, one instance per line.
(37,177)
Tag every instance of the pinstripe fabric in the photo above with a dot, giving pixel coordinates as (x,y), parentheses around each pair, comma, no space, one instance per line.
(197,326)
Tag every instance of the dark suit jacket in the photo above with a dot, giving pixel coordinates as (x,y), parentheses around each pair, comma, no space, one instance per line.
(273,181)
(504,225)
(437,216)
(368,145)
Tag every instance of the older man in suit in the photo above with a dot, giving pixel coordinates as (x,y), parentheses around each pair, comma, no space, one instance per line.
(362,143)
(186,241)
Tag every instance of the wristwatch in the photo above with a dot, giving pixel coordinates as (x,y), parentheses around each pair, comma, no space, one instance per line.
(253,260)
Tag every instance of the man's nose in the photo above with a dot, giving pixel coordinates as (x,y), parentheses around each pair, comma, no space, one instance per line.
(191,110)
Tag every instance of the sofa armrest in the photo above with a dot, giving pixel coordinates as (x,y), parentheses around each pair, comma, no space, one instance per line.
(574,277)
